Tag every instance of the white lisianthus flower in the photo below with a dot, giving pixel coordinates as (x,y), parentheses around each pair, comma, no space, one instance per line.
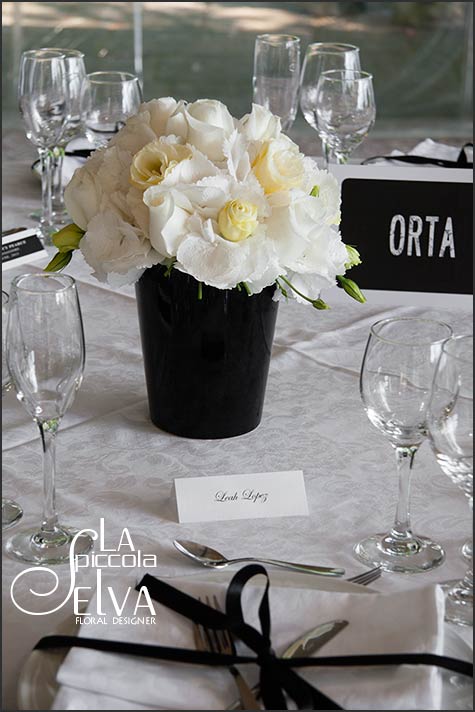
(112,245)
(279,165)
(325,187)
(205,124)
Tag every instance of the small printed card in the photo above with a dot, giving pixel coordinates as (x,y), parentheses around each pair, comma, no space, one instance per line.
(20,247)
(265,494)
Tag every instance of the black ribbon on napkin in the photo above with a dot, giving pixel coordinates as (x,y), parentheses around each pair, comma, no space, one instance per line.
(461,162)
(276,674)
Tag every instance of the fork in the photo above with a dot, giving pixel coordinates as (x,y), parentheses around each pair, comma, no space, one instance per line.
(220,641)
(367,577)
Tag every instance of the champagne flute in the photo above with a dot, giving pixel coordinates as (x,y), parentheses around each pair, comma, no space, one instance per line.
(276,75)
(11,511)
(107,101)
(321,57)
(396,378)
(345,111)
(44,104)
(75,75)
(450,423)
(45,355)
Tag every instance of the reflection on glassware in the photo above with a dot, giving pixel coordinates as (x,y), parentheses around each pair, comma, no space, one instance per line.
(108,99)
(450,424)
(321,57)
(45,355)
(75,75)
(345,111)
(44,104)
(396,378)
(276,75)
(11,511)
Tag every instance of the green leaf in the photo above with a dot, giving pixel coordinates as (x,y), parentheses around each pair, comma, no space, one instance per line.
(68,238)
(354,257)
(315,192)
(351,288)
(59,261)
(320,304)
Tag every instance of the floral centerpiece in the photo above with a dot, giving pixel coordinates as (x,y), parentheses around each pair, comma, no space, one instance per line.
(185,188)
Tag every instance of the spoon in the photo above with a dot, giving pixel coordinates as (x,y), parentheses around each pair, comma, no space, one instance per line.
(214,560)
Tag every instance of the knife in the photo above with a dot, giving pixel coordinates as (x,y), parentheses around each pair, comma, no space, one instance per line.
(305,646)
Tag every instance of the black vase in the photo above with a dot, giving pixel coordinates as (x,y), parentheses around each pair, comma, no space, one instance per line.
(206,359)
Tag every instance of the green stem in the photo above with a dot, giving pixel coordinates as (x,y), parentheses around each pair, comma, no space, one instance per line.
(246,287)
(200,291)
(317,303)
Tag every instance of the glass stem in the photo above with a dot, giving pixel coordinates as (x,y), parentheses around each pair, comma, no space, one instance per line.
(401,530)
(46,191)
(326,154)
(48,431)
(58,195)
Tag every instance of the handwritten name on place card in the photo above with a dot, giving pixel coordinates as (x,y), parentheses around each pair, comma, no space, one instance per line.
(265,494)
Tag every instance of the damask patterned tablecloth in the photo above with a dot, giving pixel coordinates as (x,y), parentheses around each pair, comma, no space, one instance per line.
(113,463)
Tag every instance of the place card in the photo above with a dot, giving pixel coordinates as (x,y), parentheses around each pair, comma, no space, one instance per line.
(20,247)
(260,495)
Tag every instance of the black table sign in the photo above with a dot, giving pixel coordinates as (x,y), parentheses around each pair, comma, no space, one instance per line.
(21,247)
(414,235)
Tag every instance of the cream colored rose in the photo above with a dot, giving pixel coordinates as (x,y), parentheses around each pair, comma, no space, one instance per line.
(279,165)
(237,220)
(155,161)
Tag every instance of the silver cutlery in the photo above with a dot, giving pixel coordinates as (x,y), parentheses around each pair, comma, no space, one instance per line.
(367,577)
(305,646)
(213,559)
(220,641)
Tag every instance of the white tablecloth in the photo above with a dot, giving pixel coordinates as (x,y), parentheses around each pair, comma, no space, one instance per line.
(113,463)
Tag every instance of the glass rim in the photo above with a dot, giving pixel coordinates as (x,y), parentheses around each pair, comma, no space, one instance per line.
(5,297)
(271,37)
(68,52)
(70,282)
(117,77)
(453,339)
(340,47)
(338,75)
(40,54)
(415,344)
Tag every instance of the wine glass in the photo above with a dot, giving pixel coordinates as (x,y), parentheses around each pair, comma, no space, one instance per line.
(276,75)
(45,355)
(321,57)
(44,104)
(108,99)
(75,75)
(450,423)
(11,511)
(345,111)
(395,383)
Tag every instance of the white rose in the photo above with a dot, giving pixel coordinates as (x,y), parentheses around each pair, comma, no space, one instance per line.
(111,245)
(279,165)
(205,124)
(160,111)
(169,211)
(260,124)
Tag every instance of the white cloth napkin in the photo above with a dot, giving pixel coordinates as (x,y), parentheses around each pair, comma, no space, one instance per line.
(428,149)
(410,621)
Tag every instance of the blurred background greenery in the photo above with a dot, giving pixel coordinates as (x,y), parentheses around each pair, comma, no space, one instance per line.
(420,53)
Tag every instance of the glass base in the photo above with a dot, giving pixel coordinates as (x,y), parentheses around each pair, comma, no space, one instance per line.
(458,602)
(11,513)
(467,550)
(407,556)
(33,547)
